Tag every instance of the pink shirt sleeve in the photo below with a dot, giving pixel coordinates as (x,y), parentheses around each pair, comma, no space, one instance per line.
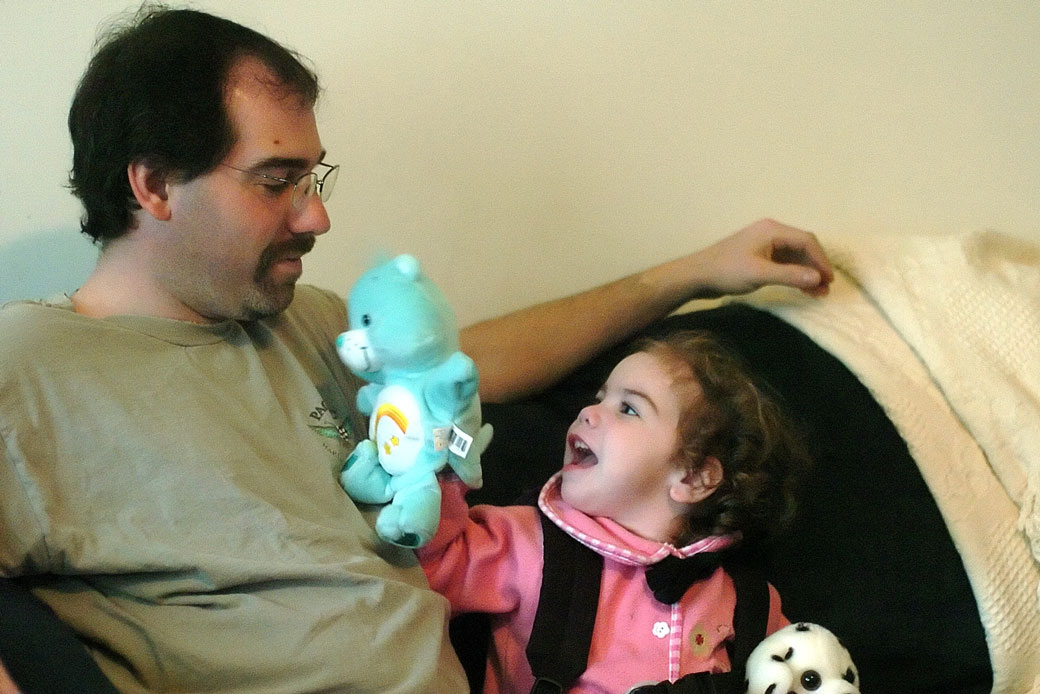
(484,559)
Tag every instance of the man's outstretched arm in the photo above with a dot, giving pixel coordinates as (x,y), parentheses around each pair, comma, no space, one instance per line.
(530,349)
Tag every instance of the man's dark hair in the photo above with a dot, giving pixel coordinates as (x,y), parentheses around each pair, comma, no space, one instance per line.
(154,92)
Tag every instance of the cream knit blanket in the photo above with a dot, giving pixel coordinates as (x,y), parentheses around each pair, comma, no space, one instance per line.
(945,332)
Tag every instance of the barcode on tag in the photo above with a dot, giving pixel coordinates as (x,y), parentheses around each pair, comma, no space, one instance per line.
(460,442)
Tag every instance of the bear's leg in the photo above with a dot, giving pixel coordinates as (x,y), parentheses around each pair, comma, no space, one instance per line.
(412,518)
(364,478)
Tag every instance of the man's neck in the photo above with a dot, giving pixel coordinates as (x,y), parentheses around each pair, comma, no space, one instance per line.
(120,285)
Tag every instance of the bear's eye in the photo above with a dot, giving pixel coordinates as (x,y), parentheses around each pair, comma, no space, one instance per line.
(366,320)
(811,680)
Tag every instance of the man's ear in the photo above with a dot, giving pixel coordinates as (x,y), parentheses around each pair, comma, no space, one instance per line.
(150,189)
(694,486)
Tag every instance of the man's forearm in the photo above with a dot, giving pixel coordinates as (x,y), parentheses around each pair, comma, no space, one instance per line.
(530,349)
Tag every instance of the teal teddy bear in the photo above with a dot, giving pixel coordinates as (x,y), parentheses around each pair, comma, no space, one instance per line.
(421,400)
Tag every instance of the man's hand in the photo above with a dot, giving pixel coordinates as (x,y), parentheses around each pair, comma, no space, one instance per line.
(766,252)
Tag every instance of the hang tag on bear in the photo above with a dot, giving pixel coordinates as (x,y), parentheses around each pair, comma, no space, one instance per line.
(454,439)
(460,442)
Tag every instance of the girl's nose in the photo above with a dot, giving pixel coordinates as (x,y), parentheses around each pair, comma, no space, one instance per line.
(589,415)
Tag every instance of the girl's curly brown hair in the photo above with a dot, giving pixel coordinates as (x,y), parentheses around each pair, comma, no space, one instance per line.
(728,416)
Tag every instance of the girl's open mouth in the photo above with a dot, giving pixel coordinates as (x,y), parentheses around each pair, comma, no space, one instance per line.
(580,453)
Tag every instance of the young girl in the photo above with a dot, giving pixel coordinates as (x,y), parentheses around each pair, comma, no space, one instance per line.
(680,456)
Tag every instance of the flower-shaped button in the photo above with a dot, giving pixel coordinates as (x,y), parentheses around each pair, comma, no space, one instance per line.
(661,629)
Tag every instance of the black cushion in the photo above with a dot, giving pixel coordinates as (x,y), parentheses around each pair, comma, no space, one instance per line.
(869,556)
(41,653)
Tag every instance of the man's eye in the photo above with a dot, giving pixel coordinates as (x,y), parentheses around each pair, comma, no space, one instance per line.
(274,187)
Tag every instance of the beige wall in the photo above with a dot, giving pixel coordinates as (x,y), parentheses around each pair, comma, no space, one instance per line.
(527,149)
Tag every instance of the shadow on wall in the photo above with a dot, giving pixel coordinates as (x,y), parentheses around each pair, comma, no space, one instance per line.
(42,264)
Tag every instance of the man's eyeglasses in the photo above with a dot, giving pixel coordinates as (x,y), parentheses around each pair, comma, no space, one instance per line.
(306,185)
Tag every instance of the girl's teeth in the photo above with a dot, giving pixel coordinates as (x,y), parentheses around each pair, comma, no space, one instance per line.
(582,453)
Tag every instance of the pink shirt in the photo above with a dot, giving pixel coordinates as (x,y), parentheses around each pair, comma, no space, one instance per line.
(489,559)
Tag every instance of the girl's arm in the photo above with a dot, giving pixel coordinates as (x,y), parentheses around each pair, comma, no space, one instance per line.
(483,559)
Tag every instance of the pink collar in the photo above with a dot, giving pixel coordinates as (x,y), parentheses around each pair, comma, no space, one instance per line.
(605,536)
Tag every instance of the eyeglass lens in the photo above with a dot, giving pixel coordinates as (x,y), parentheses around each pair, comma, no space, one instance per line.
(328,182)
(309,183)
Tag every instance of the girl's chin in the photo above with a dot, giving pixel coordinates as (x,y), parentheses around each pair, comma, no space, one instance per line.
(569,487)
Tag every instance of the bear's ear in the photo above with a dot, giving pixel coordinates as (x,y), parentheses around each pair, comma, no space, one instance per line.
(407,265)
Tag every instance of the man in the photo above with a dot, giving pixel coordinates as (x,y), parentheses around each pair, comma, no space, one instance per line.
(171,436)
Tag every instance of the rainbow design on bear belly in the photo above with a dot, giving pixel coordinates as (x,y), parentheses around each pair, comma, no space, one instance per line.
(396,427)
(391,411)
(397,417)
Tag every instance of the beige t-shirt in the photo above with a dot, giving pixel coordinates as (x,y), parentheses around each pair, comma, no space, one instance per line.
(174,486)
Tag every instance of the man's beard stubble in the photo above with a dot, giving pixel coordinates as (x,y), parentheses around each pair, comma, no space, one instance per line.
(267,298)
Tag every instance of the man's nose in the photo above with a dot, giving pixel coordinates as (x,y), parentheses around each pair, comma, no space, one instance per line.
(311,218)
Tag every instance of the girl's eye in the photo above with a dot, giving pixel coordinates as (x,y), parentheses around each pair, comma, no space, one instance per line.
(627,409)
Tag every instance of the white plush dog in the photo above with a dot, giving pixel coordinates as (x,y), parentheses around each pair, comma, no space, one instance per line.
(801,658)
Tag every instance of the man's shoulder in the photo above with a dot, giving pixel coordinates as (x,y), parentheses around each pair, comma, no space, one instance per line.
(33,322)
(19,308)
(33,333)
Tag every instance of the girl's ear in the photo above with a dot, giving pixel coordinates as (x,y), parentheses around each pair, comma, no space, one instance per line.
(149,188)
(694,486)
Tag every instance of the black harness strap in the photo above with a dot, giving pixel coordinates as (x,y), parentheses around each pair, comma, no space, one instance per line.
(750,614)
(558,650)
